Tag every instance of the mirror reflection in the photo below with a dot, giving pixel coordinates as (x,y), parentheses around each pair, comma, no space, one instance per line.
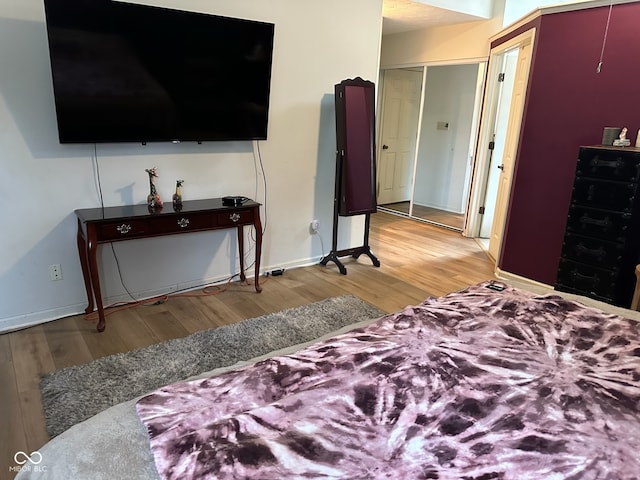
(428,126)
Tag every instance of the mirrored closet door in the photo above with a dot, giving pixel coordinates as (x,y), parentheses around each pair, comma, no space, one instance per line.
(428,127)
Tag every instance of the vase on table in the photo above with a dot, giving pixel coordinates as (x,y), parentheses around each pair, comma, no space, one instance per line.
(153,199)
(177,197)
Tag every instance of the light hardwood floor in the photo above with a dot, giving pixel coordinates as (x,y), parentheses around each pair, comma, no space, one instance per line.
(417,261)
(441,217)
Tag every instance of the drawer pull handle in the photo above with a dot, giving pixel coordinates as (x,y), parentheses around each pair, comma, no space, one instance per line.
(593,279)
(183,222)
(605,223)
(234,217)
(599,253)
(596,162)
(124,228)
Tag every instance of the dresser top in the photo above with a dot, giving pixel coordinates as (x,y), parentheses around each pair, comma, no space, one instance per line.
(617,149)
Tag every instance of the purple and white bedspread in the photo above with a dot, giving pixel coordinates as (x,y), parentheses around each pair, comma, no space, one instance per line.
(478,384)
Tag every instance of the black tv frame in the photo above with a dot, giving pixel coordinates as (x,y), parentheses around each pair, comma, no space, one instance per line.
(125,72)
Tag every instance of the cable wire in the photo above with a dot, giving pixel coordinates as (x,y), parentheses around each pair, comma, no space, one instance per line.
(604,40)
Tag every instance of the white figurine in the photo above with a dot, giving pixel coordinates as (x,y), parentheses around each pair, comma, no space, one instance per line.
(622,140)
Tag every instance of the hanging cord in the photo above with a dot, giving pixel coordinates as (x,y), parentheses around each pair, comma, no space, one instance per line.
(99,187)
(97,175)
(604,40)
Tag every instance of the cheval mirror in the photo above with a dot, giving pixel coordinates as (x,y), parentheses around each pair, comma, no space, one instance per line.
(355,187)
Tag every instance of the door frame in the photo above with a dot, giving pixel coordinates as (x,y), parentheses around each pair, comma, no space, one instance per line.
(483,157)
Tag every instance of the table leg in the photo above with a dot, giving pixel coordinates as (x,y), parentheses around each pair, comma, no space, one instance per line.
(241,252)
(92,247)
(258,227)
(82,252)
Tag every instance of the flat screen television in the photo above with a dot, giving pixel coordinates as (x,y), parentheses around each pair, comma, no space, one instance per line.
(125,72)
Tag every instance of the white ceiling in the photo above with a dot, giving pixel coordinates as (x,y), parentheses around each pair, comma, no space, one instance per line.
(405,15)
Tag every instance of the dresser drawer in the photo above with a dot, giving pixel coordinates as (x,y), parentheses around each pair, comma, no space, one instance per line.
(235,218)
(604,194)
(588,279)
(592,251)
(612,226)
(122,230)
(608,164)
(183,223)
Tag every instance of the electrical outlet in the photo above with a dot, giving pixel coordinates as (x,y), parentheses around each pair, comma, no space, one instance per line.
(314,226)
(55,272)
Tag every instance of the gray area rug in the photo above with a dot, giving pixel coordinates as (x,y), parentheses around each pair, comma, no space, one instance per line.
(76,393)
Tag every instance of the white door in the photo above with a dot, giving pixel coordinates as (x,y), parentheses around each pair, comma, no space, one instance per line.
(508,73)
(401,93)
(510,147)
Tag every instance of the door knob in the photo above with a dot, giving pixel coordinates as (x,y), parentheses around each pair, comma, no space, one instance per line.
(501,167)
(385,147)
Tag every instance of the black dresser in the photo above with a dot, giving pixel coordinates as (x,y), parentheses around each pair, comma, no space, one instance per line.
(601,246)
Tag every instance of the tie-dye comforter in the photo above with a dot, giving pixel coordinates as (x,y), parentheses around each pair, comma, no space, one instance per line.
(479,384)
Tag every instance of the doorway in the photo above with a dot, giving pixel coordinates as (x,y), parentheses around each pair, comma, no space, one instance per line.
(509,65)
(428,130)
(505,91)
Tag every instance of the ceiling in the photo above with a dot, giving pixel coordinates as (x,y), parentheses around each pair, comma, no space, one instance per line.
(405,15)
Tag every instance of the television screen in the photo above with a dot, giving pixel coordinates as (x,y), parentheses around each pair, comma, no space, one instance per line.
(124,72)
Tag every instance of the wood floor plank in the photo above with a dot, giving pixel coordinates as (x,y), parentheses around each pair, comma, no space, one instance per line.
(12,433)
(66,343)
(417,260)
(186,311)
(31,345)
(165,325)
(101,344)
(131,328)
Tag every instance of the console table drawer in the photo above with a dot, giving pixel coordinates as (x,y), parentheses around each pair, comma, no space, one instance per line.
(183,223)
(122,230)
(235,218)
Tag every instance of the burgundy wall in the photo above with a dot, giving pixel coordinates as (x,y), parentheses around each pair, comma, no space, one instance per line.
(568,105)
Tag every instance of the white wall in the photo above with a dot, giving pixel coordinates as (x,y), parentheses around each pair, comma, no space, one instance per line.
(42,182)
(443,155)
(516,9)
(444,44)
(479,8)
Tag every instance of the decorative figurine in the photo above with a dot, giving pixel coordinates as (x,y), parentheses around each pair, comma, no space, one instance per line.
(153,199)
(177,197)
(622,140)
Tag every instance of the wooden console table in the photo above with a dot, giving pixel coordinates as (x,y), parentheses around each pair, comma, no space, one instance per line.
(112,224)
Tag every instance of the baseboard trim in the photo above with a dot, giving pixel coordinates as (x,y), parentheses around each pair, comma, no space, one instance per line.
(512,277)
(11,324)
(19,322)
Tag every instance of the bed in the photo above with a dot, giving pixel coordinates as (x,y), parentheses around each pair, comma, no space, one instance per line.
(491,382)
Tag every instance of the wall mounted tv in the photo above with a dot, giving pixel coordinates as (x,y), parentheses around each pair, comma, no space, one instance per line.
(126,72)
